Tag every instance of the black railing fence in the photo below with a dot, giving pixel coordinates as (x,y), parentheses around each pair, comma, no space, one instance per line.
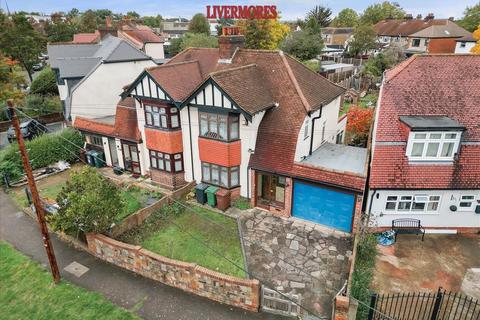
(440,305)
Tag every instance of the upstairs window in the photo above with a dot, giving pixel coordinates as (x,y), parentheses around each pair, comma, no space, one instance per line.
(416,43)
(432,146)
(163,117)
(219,126)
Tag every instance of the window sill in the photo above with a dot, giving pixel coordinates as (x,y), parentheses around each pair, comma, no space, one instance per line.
(397,213)
(165,171)
(219,186)
(162,129)
(219,140)
(429,161)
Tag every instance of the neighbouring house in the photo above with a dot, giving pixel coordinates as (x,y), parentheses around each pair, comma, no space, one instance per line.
(143,38)
(428,35)
(336,38)
(425,149)
(465,44)
(92,37)
(175,27)
(91,75)
(256,123)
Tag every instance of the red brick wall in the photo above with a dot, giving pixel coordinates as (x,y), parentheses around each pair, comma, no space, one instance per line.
(242,293)
(445,45)
(226,154)
(286,211)
(170,180)
(164,141)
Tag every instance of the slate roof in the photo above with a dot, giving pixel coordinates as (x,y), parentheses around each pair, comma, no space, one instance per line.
(123,125)
(77,60)
(405,27)
(448,30)
(428,85)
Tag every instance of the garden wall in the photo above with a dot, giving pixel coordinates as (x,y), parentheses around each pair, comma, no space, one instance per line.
(242,293)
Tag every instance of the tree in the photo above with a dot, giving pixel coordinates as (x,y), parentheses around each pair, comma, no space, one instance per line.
(199,24)
(198,40)
(346,18)
(476,36)
(88,22)
(11,81)
(20,41)
(45,84)
(153,22)
(364,39)
(321,14)
(303,45)
(471,18)
(88,203)
(133,15)
(59,31)
(358,125)
(263,33)
(174,48)
(74,13)
(380,11)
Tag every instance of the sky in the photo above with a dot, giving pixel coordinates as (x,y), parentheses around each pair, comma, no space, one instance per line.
(290,9)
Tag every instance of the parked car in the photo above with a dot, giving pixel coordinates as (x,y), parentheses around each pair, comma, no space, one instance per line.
(29,129)
(37,67)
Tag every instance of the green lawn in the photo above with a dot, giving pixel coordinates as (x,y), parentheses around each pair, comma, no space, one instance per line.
(369,99)
(50,191)
(27,292)
(175,235)
(135,199)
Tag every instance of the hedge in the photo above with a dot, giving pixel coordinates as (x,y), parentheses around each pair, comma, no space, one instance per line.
(43,151)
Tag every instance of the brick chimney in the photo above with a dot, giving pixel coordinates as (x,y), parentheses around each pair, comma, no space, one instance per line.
(229,41)
(430,16)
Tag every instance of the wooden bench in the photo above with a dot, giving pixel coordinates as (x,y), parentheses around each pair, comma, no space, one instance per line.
(410,226)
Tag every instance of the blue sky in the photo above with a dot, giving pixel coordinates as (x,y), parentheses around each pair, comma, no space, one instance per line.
(290,9)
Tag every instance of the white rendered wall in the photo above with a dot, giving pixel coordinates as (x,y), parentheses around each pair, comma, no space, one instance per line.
(466,49)
(155,50)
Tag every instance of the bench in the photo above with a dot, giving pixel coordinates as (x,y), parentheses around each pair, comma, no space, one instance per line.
(410,226)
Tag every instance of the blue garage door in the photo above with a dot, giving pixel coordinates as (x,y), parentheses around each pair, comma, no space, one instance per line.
(321,205)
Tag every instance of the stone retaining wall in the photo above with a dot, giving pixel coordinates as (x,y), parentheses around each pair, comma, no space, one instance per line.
(242,293)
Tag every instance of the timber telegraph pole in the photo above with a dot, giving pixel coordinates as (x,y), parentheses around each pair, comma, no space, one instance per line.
(35,197)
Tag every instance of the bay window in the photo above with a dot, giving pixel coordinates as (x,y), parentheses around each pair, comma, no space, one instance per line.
(415,203)
(431,146)
(220,176)
(166,162)
(219,126)
(163,117)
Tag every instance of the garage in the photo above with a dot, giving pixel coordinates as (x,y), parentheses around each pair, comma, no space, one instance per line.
(326,206)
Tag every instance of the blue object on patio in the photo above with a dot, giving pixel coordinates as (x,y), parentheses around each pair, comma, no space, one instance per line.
(323,205)
(386,238)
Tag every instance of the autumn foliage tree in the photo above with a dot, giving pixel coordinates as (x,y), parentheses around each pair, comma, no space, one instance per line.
(476,36)
(358,125)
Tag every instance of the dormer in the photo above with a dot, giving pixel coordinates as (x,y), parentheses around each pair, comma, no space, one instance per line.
(432,138)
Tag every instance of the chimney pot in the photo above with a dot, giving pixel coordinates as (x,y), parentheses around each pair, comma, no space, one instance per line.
(229,41)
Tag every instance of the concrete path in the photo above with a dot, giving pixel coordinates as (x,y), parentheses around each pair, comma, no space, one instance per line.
(297,257)
(152,299)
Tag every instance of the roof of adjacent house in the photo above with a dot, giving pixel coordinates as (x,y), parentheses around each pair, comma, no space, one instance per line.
(256,80)
(405,27)
(434,87)
(123,125)
(86,37)
(333,30)
(77,60)
(448,30)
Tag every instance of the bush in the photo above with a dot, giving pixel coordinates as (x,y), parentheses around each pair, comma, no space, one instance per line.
(43,104)
(43,151)
(45,83)
(242,203)
(303,45)
(88,203)
(363,272)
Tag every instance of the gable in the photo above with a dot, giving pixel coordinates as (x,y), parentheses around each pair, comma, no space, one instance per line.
(211,95)
(146,87)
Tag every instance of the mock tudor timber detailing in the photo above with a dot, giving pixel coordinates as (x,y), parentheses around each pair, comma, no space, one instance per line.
(242,12)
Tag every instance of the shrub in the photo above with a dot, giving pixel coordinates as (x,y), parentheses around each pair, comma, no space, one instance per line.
(242,203)
(43,151)
(45,83)
(43,104)
(363,272)
(88,203)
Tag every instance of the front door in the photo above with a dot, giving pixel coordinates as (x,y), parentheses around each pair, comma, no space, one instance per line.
(271,190)
(131,158)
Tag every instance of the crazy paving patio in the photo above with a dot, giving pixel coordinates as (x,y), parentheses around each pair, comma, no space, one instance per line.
(297,257)
(448,261)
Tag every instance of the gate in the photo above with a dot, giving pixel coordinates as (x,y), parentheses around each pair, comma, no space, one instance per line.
(284,304)
(441,305)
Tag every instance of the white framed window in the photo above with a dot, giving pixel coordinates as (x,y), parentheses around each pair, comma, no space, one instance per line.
(466,202)
(432,146)
(306,131)
(416,204)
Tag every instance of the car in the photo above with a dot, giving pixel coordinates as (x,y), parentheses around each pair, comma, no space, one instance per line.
(29,129)
(37,67)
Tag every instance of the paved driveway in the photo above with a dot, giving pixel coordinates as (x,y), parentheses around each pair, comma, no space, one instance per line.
(297,257)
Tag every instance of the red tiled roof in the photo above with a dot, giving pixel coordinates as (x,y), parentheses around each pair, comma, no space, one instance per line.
(144,36)
(86,37)
(178,79)
(404,27)
(446,85)
(125,127)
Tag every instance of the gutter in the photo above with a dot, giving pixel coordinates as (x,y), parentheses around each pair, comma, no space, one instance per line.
(313,129)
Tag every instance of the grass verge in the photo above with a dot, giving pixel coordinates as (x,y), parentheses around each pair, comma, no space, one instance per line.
(180,234)
(363,272)
(29,293)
